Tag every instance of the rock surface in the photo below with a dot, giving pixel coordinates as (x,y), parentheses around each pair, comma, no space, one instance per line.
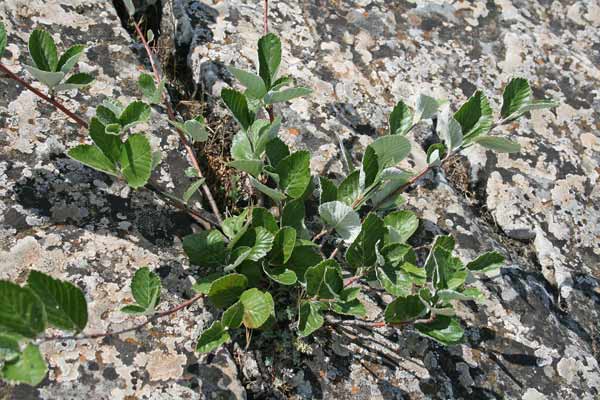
(536,337)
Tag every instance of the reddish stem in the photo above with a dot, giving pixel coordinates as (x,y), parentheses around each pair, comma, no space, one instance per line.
(266,17)
(171,114)
(41,95)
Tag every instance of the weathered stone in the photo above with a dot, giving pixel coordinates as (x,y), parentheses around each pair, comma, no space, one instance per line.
(536,336)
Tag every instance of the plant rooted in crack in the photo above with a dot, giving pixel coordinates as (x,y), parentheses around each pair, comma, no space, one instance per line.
(267,249)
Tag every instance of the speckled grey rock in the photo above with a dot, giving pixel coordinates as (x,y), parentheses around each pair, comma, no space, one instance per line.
(536,337)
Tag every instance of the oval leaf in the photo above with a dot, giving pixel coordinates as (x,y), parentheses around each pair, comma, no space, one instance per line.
(212,338)
(226,290)
(136,160)
(65,303)
(29,368)
(21,310)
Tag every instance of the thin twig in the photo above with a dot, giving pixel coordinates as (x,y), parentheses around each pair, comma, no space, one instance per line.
(171,114)
(204,218)
(150,319)
(319,235)
(41,95)
(351,280)
(266,17)
(411,181)
(269,108)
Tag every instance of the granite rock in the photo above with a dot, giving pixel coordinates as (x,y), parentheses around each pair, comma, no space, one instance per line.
(537,335)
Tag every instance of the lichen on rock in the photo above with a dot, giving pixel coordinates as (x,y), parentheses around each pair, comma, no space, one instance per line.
(537,337)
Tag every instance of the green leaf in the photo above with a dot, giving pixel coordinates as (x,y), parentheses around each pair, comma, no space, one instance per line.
(353,307)
(50,79)
(349,190)
(206,248)
(449,130)
(252,271)
(417,274)
(227,289)
(129,7)
(435,153)
(384,152)
(401,225)
(328,190)
(487,262)
(269,57)
(107,116)
(21,311)
(263,136)
(448,271)
(516,95)
(29,368)
(233,316)
(397,253)
(3,38)
(204,283)
(263,217)
(426,107)
(401,119)
(212,338)
(258,307)
(294,173)
(394,280)
(283,245)
(252,82)
(272,193)
(324,280)
(263,243)
(361,252)
(286,95)
(281,82)
(444,330)
(390,150)
(69,58)
(92,156)
(310,318)
(135,112)
(293,215)
(134,309)
(109,144)
(499,144)
(196,130)
(446,295)
(342,218)
(241,148)
(9,346)
(145,288)
(65,303)
(136,160)
(276,151)
(540,105)
(193,188)
(303,257)
(43,50)
(237,104)
(76,81)
(253,167)
(281,275)
(475,116)
(114,106)
(149,90)
(405,309)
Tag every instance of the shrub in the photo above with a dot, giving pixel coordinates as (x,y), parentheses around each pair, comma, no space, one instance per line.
(363,233)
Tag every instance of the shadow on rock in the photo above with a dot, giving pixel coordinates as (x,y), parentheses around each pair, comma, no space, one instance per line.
(74,194)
